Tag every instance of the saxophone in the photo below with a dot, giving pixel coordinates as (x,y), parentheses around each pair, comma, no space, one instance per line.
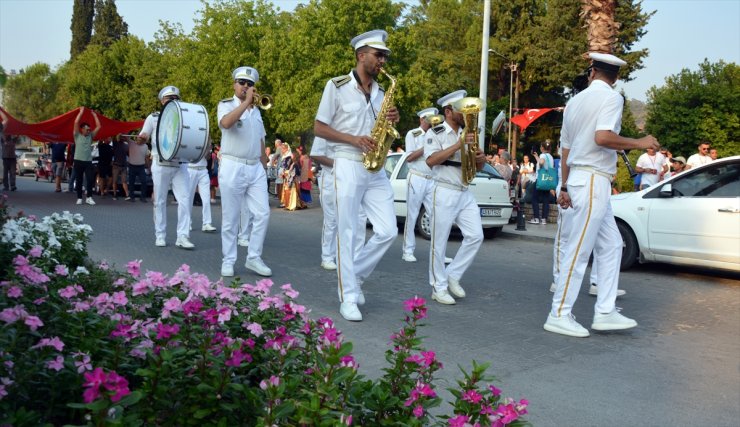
(383,132)
(469,107)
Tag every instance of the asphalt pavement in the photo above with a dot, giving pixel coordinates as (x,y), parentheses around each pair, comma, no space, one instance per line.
(680,366)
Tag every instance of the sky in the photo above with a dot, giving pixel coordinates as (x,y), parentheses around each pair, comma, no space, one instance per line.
(681,34)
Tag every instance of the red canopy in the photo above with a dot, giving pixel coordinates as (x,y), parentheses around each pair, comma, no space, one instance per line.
(60,128)
(528,116)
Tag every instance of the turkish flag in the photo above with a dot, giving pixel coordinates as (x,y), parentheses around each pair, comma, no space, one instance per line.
(528,116)
(61,128)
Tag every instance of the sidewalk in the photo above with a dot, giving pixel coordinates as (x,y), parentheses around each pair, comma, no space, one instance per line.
(533,232)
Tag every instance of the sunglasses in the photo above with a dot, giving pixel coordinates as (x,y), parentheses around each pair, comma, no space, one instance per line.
(170,97)
(246,82)
(381,55)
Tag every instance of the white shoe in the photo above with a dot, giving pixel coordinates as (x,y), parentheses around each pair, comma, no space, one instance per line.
(184,242)
(79,201)
(208,228)
(534,221)
(213,200)
(612,321)
(160,242)
(258,266)
(453,285)
(408,257)
(543,221)
(328,265)
(553,287)
(243,242)
(448,260)
(594,290)
(90,201)
(565,325)
(443,297)
(361,299)
(349,311)
(227,271)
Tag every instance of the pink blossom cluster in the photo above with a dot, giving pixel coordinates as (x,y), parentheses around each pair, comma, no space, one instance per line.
(29,272)
(116,385)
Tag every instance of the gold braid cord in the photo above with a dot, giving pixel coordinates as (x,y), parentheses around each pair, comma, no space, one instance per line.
(602,30)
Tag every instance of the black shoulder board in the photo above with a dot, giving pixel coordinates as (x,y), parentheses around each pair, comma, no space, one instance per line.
(417,132)
(155,114)
(438,129)
(341,80)
(226,100)
(381,88)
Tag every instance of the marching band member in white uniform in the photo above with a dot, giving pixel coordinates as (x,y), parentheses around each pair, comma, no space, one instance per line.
(452,202)
(198,172)
(241,174)
(589,140)
(321,154)
(346,116)
(165,173)
(419,182)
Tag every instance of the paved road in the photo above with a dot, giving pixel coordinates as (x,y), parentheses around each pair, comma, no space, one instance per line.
(679,367)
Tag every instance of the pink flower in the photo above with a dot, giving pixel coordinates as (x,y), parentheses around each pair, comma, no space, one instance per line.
(413,303)
(15,292)
(61,270)
(237,358)
(418,411)
(117,384)
(288,291)
(192,306)
(494,390)
(103,265)
(11,315)
(255,329)
(472,396)
(134,268)
(70,291)
(56,364)
(507,413)
(348,361)
(172,304)
(35,252)
(458,421)
(119,298)
(166,331)
(50,342)
(272,382)
(33,322)
(83,364)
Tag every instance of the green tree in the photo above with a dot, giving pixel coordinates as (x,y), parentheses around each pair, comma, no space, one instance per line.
(82,20)
(3,76)
(696,106)
(30,96)
(108,25)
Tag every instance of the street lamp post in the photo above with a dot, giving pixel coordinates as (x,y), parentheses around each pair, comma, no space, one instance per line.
(512,70)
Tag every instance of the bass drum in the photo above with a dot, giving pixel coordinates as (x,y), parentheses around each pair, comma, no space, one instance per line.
(182,132)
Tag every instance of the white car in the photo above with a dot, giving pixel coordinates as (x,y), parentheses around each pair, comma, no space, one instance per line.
(692,218)
(490,189)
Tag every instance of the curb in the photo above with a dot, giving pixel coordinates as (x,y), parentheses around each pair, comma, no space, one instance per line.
(512,234)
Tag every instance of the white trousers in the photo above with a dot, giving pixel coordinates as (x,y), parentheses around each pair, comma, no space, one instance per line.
(245,221)
(453,207)
(419,190)
(357,189)
(241,183)
(558,250)
(588,226)
(328,206)
(199,179)
(178,176)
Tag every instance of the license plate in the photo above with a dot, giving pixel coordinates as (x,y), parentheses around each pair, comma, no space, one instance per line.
(490,212)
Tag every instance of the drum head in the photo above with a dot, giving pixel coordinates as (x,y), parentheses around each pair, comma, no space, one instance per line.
(169,129)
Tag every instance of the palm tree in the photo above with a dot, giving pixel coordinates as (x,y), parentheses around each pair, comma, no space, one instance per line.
(602,30)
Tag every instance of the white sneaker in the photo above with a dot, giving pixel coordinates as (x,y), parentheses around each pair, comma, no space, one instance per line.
(361,299)
(243,242)
(349,311)
(79,201)
(543,221)
(213,200)
(448,260)
(553,287)
(594,290)
(453,285)
(184,242)
(408,257)
(227,271)
(534,221)
(328,265)
(90,201)
(565,325)
(612,322)
(443,297)
(160,242)
(208,228)
(258,266)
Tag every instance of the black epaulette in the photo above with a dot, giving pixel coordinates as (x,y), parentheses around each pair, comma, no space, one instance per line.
(341,80)
(155,114)
(381,88)
(226,100)
(438,129)
(417,132)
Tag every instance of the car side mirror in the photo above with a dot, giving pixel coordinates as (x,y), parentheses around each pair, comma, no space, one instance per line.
(666,191)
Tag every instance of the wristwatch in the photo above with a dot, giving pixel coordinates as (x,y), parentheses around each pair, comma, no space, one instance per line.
(563,189)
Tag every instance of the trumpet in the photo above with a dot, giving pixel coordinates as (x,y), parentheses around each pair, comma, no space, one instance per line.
(469,107)
(264,102)
(434,120)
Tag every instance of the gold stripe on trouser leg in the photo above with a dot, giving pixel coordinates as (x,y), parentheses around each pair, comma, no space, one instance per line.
(557,241)
(406,223)
(580,243)
(339,256)
(434,222)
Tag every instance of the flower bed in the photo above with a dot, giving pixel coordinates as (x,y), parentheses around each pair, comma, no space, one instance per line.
(86,344)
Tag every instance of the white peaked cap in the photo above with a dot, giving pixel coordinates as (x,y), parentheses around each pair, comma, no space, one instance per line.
(427,112)
(248,73)
(452,97)
(606,61)
(374,38)
(168,91)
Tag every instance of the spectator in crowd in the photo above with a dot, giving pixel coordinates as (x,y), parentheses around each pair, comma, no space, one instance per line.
(677,166)
(69,164)
(213,162)
(120,152)
(713,154)
(137,158)
(651,166)
(57,160)
(284,150)
(9,160)
(542,197)
(83,165)
(526,173)
(699,158)
(105,165)
(304,181)
(291,175)
(504,165)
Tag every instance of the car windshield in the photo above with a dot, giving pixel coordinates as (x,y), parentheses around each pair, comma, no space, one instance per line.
(32,156)
(488,172)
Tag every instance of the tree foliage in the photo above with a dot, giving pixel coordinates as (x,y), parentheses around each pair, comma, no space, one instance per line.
(695,106)
(82,20)
(30,96)
(108,25)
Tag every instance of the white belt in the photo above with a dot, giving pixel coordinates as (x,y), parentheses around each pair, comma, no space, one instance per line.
(452,186)
(198,168)
(417,173)
(594,171)
(165,165)
(249,162)
(349,156)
